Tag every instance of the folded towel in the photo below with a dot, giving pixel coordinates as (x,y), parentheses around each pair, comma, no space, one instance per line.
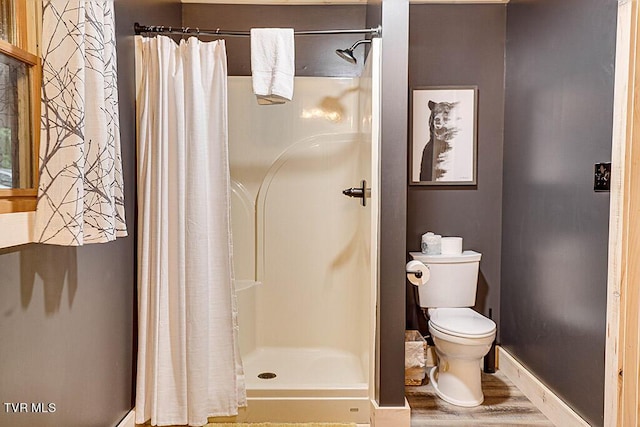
(272,64)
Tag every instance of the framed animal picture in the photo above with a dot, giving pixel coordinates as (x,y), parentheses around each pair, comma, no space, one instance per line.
(443,148)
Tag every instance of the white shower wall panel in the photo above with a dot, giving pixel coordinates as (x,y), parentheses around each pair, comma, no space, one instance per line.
(368,165)
(289,164)
(258,134)
(308,244)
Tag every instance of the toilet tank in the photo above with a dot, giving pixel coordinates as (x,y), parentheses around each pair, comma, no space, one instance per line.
(453,281)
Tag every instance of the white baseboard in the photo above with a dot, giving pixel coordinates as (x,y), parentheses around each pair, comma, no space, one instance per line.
(129,420)
(390,416)
(539,394)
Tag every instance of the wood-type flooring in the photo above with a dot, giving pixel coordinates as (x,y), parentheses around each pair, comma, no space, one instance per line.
(504,405)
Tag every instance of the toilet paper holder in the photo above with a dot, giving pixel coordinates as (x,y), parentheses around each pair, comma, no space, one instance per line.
(416,273)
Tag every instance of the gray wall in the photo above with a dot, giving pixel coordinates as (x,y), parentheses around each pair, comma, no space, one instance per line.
(462,45)
(315,55)
(559,103)
(67,314)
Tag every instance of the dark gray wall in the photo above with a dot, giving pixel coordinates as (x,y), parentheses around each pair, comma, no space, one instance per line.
(315,55)
(462,45)
(559,103)
(394,15)
(67,314)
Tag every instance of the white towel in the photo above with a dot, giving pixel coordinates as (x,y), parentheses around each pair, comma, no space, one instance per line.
(272,64)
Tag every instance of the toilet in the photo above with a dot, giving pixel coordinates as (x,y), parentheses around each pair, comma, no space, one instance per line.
(462,336)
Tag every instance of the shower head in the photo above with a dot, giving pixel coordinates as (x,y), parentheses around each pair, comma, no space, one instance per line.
(347,54)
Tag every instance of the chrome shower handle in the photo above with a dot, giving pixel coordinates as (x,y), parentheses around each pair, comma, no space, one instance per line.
(353,192)
(361,192)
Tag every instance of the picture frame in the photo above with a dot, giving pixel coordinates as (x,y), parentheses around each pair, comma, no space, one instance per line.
(443,148)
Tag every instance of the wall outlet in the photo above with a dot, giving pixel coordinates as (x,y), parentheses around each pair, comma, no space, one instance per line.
(602,177)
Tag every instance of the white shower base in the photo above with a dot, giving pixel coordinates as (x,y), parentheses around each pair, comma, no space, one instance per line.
(304,370)
(311,384)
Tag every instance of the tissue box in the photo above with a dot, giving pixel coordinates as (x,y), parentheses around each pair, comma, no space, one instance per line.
(415,347)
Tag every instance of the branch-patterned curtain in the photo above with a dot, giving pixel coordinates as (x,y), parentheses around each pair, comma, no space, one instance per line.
(80,195)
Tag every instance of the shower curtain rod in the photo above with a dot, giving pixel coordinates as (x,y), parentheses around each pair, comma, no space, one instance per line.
(161,29)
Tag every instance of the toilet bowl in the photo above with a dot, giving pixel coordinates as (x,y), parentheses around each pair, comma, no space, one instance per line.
(462,337)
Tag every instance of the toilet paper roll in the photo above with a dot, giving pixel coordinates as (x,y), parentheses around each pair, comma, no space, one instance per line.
(451,245)
(430,243)
(417,266)
(425,241)
(433,244)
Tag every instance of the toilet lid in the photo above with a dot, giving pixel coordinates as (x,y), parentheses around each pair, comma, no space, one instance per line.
(461,322)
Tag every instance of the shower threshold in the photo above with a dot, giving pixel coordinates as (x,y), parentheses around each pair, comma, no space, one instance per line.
(309,384)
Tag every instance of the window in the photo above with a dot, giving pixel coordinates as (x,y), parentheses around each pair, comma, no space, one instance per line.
(19,105)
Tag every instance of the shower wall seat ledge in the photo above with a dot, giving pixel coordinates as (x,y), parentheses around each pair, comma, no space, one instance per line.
(241,285)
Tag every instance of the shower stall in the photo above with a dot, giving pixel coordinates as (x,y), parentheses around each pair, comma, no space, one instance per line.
(304,213)
(305,255)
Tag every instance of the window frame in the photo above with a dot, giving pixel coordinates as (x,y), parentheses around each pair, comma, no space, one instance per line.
(25,50)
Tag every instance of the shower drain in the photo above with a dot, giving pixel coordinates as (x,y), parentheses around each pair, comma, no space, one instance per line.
(266,375)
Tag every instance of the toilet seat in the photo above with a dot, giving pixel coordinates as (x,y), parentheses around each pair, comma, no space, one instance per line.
(461,322)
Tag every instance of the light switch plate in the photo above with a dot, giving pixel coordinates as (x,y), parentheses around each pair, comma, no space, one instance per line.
(602,177)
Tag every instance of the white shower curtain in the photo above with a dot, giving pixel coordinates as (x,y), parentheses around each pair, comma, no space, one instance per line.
(188,361)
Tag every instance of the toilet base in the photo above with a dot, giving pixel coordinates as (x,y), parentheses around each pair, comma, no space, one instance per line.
(433,373)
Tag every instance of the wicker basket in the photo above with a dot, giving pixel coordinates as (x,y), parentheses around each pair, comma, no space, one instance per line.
(415,348)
